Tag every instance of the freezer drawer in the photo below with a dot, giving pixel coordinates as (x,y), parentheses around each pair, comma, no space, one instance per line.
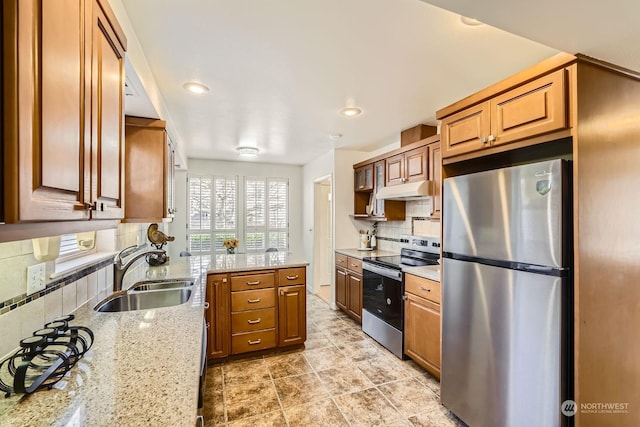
(502,343)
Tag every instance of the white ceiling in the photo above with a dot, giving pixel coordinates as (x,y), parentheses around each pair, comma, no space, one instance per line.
(607,30)
(280,70)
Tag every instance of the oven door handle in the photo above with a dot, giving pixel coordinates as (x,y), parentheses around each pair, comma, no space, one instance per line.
(386,272)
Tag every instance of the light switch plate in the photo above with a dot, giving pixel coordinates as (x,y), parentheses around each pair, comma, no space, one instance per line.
(36,278)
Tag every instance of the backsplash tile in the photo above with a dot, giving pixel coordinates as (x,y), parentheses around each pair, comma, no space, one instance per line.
(52,305)
(389,235)
(69,298)
(92,285)
(21,315)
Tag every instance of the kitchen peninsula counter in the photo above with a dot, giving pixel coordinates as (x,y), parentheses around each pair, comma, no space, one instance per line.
(232,263)
(143,368)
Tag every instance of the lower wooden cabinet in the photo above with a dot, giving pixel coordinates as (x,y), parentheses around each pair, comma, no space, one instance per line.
(292,315)
(422,323)
(217,316)
(349,286)
(354,304)
(255,310)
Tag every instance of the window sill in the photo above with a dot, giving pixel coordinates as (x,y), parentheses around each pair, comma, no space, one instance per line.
(69,267)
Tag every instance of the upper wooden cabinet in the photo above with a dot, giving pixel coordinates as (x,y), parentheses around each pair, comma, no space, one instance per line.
(63,112)
(363,178)
(435,176)
(535,108)
(408,166)
(148,171)
(107,118)
(366,206)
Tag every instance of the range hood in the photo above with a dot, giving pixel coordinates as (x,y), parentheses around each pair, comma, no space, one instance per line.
(410,191)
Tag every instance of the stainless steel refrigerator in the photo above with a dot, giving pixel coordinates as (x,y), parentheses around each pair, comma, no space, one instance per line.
(507,295)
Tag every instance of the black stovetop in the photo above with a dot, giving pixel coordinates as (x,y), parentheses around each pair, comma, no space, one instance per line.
(407,257)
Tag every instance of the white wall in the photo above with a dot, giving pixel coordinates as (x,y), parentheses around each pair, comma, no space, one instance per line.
(138,60)
(317,168)
(346,229)
(218,167)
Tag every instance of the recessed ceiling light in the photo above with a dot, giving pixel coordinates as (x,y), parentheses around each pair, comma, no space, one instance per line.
(335,136)
(472,22)
(351,111)
(195,87)
(247,151)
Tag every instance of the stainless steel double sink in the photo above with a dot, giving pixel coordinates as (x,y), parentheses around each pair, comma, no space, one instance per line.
(148,294)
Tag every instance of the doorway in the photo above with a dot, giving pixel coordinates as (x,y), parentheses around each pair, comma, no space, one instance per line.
(323,238)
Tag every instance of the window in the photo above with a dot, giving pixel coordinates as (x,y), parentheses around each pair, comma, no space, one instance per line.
(262,203)
(267,213)
(76,245)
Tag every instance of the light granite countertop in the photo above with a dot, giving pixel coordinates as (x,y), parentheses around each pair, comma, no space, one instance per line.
(431,272)
(359,254)
(143,368)
(262,261)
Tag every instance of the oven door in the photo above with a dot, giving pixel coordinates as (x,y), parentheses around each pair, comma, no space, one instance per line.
(382,290)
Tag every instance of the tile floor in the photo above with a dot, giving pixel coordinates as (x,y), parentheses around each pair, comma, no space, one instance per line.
(341,378)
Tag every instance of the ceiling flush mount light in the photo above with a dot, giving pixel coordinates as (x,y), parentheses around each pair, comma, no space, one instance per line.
(351,112)
(472,22)
(248,152)
(195,87)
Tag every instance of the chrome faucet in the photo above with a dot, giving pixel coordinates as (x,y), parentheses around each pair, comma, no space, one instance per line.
(119,269)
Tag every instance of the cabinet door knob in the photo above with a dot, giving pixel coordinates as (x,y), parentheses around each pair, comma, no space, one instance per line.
(491,138)
(206,305)
(483,140)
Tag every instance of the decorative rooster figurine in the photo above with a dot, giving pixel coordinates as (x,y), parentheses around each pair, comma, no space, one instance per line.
(157,237)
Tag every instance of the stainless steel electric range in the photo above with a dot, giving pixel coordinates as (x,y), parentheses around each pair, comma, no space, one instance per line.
(383,291)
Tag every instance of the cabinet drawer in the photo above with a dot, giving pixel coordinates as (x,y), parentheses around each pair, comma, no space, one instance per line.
(252,341)
(341,260)
(291,276)
(253,320)
(253,300)
(253,281)
(354,264)
(421,287)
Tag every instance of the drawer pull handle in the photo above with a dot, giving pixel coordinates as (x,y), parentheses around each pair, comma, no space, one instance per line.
(422,288)
(257,282)
(253,322)
(292,277)
(258,341)
(354,265)
(251,301)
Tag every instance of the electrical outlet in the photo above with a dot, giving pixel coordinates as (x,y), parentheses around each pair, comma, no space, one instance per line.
(36,278)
